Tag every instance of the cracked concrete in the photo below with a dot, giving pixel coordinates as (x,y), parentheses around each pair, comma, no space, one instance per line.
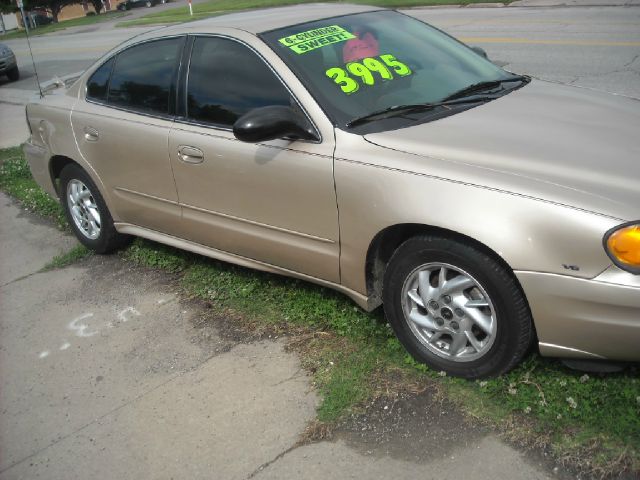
(46,242)
(488,459)
(106,372)
(100,361)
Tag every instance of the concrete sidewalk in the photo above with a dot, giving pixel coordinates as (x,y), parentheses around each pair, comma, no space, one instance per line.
(13,122)
(107,373)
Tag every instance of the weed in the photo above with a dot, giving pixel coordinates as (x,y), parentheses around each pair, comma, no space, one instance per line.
(157,256)
(72,256)
(16,180)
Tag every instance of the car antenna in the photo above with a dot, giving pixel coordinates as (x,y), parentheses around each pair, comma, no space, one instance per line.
(26,29)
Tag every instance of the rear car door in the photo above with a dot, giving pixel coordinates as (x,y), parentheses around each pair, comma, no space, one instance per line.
(122,128)
(273,201)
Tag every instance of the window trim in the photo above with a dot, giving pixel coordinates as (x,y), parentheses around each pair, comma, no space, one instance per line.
(173,87)
(183,88)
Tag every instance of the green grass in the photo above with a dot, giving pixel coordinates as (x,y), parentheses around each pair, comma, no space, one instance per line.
(572,411)
(590,421)
(74,22)
(215,7)
(16,180)
(68,258)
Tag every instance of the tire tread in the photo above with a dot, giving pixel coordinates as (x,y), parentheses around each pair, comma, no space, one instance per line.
(491,267)
(109,239)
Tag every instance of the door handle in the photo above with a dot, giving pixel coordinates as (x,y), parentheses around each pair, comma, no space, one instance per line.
(190,154)
(91,134)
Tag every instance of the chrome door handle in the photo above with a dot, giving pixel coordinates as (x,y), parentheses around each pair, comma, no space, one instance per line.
(91,134)
(190,154)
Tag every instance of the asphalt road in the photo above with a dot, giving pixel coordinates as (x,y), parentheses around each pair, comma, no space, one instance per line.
(596,47)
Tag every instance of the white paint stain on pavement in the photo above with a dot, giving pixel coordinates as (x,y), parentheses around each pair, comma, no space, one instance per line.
(125,314)
(80,329)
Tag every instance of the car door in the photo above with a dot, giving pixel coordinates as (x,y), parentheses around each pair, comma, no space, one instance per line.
(273,201)
(122,128)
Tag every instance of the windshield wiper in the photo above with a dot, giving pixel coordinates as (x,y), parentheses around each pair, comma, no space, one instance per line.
(484,86)
(397,110)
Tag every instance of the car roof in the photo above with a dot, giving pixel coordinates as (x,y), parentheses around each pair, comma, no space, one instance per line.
(264,20)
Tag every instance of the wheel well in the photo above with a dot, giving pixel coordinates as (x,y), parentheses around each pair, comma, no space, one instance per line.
(56,164)
(387,241)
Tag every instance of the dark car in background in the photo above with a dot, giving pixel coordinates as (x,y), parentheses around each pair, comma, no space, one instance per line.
(8,63)
(129,4)
(40,19)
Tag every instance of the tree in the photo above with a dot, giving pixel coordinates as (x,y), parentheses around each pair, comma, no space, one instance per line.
(97,5)
(51,6)
(7,6)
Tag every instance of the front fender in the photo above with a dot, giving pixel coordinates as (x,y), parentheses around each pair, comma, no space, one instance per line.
(528,233)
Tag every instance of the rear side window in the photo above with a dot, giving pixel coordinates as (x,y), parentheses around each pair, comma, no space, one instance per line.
(226,80)
(143,75)
(99,82)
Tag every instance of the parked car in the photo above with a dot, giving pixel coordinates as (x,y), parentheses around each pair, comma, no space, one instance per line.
(368,152)
(129,4)
(8,63)
(40,19)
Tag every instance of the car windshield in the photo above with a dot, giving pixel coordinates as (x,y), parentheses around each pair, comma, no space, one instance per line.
(369,67)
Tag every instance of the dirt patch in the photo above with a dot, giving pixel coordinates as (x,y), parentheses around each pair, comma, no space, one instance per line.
(413,423)
(410,427)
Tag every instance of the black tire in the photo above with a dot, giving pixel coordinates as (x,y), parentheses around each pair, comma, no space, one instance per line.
(107,239)
(14,74)
(495,285)
(149,4)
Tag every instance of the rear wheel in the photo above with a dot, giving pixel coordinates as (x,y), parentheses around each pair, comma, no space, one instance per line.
(87,212)
(148,4)
(456,308)
(13,74)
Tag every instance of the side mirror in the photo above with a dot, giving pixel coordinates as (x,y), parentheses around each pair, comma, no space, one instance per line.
(480,51)
(268,123)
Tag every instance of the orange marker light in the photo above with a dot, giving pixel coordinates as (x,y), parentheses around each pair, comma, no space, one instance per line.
(624,245)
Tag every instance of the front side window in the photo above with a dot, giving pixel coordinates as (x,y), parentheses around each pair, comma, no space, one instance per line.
(363,64)
(226,79)
(142,76)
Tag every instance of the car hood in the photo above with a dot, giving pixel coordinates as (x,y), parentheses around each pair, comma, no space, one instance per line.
(565,144)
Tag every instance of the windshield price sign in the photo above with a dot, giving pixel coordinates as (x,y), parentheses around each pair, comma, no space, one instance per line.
(304,42)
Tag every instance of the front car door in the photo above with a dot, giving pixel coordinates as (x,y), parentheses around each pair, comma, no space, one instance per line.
(122,127)
(274,201)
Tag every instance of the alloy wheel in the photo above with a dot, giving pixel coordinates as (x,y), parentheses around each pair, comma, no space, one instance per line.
(449,312)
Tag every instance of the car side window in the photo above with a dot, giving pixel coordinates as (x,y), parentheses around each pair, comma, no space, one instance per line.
(226,79)
(99,81)
(143,75)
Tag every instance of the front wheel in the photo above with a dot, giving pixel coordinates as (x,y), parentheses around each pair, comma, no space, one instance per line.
(87,212)
(456,308)
(148,4)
